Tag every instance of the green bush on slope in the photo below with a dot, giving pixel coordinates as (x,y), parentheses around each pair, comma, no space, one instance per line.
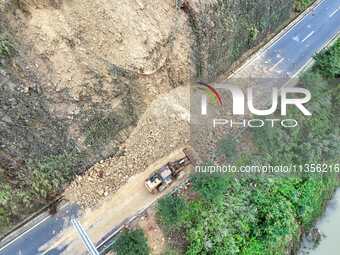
(6,47)
(44,179)
(131,242)
(301,5)
(255,215)
(170,211)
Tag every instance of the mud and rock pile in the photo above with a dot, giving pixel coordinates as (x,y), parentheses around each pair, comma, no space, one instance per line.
(93,76)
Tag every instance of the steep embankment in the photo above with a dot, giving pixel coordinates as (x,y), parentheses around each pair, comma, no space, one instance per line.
(82,73)
(224,30)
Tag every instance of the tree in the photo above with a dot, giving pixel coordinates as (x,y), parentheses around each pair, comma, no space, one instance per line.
(170,211)
(327,62)
(211,187)
(132,242)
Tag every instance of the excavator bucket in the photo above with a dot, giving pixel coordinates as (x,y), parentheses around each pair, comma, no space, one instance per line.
(188,153)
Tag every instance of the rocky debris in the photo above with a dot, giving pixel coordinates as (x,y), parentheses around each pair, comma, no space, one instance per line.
(314,235)
(94,60)
(163,128)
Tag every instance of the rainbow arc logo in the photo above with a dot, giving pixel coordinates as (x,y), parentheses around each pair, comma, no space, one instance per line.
(212,93)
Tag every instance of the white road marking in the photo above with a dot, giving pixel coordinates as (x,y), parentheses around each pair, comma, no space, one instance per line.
(279,62)
(28,230)
(296,38)
(309,35)
(269,45)
(333,13)
(204,105)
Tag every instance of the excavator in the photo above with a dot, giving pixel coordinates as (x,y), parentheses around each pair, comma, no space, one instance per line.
(163,177)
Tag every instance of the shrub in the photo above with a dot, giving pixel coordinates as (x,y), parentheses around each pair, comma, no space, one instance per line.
(309,205)
(131,242)
(6,47)
(276,215)
(102,129)
(253,34)
(49,174)
(327,62)
(301,5)
(227,148)
(5,199)
(221,228)
(170,211)
(254,247)
(312,140)
(211,187)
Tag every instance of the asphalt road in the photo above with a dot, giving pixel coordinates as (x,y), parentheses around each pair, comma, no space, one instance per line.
(301,42)
(53,235)
(293,50)
(44,229)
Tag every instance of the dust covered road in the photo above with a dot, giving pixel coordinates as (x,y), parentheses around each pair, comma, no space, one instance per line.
(123,204)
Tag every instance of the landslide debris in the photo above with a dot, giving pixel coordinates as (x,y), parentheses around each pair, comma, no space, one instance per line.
(163,128)
(90,77)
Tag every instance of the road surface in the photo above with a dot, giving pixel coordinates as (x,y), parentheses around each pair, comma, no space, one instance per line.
(287,55)
(295,48)
(54,235)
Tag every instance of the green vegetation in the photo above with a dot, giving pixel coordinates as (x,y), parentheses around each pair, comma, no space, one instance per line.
(50,174)
(301,5)
(6,47)
(169,211)
(256,216)
(327,62)
(102,129)
(227,148)
(5,195)
(132,242)
(253,33)
(211,187)
(216,48)
(253,214)
(41,182)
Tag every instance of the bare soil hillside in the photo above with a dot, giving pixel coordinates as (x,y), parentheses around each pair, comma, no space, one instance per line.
(105,83)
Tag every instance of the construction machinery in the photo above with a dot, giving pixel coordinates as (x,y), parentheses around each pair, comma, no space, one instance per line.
(163,177)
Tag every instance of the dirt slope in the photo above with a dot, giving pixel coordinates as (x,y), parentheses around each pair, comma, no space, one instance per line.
(162,129)
(101,79)
(93,60)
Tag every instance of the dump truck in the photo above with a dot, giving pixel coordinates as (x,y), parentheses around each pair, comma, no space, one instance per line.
(163,177)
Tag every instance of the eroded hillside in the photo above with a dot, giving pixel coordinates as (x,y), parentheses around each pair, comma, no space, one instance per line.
(82,73)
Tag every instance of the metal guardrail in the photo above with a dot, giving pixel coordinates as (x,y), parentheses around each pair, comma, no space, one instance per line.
(106,244)
(20,227)
(85,237)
